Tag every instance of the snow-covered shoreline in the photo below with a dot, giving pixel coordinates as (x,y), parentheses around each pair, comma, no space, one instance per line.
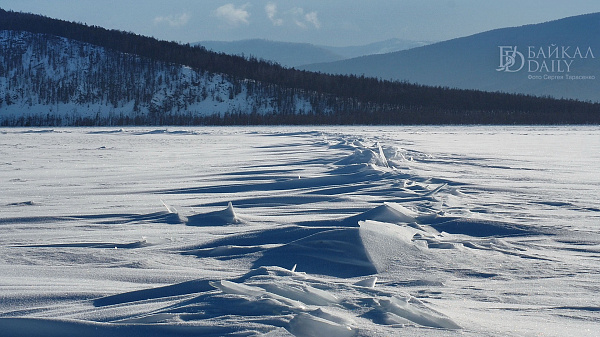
(352,231)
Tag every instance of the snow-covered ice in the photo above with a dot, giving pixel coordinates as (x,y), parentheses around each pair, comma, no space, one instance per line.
(300,231)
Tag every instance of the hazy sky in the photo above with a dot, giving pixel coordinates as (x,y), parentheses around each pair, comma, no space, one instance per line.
(329,22)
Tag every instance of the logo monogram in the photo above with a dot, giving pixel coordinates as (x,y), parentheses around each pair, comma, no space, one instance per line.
(511,60)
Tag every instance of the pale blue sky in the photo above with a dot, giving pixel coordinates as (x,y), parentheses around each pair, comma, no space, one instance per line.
(329,22)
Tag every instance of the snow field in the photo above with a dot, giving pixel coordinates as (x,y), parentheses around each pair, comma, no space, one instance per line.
(299,232)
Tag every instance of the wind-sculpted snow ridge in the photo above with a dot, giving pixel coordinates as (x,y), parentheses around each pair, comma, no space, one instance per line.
(236,232)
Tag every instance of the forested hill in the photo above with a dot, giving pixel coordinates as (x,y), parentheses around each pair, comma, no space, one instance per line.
(54,72)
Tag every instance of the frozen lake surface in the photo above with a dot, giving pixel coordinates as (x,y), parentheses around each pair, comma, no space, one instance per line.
(300,231)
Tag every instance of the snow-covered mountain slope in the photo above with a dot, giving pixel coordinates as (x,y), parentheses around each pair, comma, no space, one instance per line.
(559,58)
(61,73)
(46,79)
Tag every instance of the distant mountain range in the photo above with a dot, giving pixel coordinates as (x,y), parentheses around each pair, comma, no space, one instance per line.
(560,59)
(298,54)
(55,72)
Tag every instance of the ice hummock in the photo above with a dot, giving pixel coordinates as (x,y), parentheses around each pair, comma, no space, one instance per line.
(307,304)
(226,216)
